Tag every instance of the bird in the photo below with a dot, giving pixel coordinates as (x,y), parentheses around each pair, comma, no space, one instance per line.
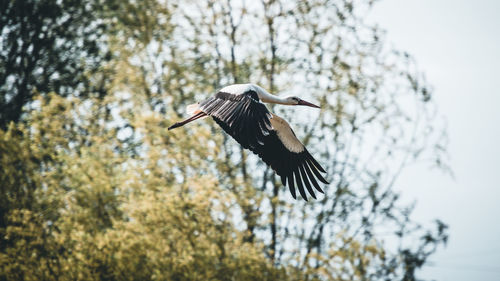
(240,111)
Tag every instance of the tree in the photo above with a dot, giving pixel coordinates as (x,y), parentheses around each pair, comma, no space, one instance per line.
(50,46)
(94,214)
(114,195)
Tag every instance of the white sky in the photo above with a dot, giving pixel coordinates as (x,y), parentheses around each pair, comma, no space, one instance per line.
(457,45)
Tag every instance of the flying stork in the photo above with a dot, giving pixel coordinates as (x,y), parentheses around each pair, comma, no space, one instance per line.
(239,110)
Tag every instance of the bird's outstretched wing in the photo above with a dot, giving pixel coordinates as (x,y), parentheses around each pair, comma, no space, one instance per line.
(290,159)
(270,137)
(242,116)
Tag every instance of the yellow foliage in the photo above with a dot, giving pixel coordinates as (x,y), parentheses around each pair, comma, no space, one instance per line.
(95,214)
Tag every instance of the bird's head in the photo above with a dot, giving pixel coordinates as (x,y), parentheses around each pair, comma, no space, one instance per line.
(298,101)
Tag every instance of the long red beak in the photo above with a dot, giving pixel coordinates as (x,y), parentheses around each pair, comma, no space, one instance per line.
(303,102)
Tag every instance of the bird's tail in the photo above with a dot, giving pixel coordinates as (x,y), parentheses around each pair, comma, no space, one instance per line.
(198,115)
(192,108)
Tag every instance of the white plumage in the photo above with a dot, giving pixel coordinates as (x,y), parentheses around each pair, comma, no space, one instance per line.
(192,109)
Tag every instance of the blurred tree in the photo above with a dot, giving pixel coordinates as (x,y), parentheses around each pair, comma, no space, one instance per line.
(94,214)
(99,189)
(48,46)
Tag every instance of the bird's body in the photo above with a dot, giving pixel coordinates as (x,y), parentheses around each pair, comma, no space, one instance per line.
(239,110)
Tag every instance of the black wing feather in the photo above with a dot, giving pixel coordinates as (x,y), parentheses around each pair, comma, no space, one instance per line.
(306,180)
(312,178)
(291,186)
(300,186)
(247,120)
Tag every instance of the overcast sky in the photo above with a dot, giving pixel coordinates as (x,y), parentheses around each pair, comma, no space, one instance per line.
(457,44)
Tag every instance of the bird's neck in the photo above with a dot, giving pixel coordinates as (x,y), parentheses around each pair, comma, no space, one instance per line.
(268,98)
